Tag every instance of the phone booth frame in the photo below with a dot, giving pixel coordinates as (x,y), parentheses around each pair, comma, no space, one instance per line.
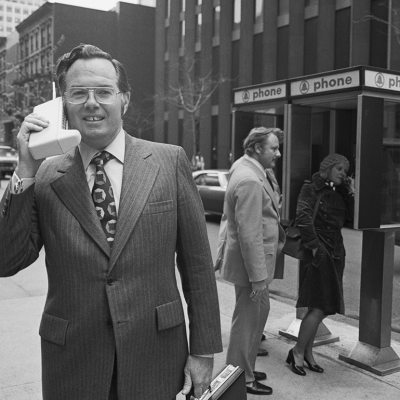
(364,90)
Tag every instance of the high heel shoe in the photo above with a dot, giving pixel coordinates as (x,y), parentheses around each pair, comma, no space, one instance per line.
(295,368)
(315,367)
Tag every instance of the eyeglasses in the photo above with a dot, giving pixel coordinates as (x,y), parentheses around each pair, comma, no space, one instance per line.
(103,95)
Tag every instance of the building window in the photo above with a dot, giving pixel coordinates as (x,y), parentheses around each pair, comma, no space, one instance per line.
(1,18)
(17,20)
(26,12)
(17,10)
(49,33)
(9,29)
(9,9)
(258,11)
(216,20)
(237,14)
(9,19)
(199,19)
(167,8)
(183,5)
(43,36)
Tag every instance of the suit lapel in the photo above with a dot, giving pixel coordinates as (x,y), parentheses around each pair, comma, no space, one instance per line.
(72,189)
(267,187)
(137,183)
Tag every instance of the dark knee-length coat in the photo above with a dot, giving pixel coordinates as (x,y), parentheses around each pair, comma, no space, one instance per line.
(321,283)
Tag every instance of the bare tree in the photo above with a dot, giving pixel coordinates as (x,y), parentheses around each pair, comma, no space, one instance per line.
(393,21)
(139,118)
(191,94)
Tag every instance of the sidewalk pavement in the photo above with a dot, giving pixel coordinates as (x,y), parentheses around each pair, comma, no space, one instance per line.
(21,303)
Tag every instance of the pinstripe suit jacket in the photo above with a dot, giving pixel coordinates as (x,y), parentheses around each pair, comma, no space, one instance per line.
(124,301)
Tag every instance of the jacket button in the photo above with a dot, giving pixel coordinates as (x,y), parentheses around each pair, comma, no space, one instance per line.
(110,281)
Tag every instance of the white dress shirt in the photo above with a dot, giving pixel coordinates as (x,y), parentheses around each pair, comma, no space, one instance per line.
(114,168)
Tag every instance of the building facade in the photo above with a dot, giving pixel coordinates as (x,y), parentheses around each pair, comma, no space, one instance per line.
(13,12)
(250,42)
(126,32)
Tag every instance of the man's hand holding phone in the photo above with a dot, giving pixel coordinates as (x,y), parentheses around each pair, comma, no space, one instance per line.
(27,165)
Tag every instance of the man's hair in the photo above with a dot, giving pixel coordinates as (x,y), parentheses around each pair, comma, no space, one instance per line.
(89,52)
(260,135)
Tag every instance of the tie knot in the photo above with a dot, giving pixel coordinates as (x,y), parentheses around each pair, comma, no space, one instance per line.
(102,158)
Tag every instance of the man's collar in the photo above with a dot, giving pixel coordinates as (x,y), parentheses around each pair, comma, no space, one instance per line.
(255,162)
(116,148)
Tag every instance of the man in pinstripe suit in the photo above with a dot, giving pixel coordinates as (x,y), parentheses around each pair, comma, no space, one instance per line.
(113,324)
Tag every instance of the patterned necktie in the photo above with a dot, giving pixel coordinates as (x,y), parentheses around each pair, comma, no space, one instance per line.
(103,196)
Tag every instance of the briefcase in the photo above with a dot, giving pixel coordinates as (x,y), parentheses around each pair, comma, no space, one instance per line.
(229,384)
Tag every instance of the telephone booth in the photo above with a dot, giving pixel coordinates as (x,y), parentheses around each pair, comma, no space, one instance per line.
(354,112)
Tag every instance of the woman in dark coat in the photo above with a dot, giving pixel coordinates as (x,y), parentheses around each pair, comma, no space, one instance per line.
(321,286)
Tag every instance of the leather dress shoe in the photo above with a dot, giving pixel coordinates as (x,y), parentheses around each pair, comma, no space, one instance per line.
(262,352)
(258,388)
(259,376)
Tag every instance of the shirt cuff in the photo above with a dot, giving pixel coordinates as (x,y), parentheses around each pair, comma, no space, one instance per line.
(19,185)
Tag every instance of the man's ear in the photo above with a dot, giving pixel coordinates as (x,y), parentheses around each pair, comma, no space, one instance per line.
(125,102)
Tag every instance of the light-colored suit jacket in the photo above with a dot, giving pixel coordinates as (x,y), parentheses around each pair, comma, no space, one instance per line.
(254,234)
(123,301)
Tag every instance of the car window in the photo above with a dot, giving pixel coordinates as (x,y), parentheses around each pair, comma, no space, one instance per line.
(211,180)
(200,180)
(7,151)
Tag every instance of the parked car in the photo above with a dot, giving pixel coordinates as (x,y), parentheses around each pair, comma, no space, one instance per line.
(212,185)
(8,160)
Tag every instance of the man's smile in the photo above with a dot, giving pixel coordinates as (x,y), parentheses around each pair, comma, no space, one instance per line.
(93,119)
